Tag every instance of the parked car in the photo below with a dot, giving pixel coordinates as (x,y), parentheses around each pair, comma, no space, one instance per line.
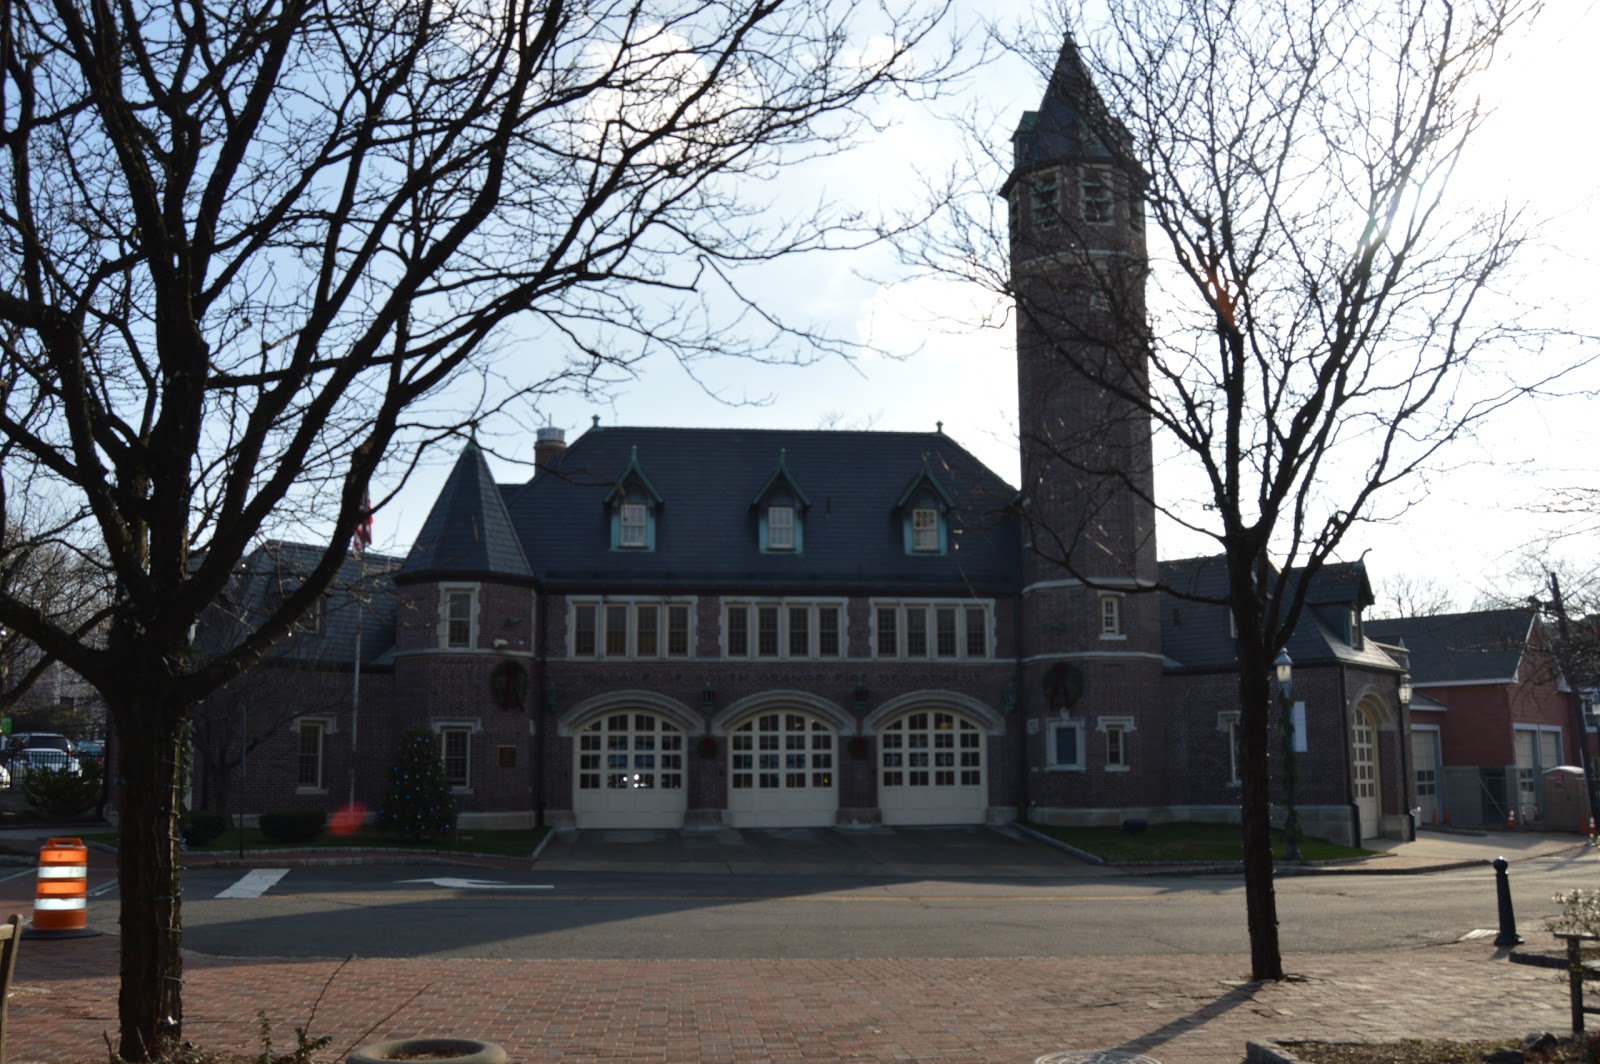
(91,750)
(47,758)
(38,740)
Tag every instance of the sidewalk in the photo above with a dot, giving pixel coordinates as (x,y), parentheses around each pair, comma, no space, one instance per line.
(1177,1010)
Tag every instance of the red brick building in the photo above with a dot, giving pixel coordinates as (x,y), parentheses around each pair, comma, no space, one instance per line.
(676,627)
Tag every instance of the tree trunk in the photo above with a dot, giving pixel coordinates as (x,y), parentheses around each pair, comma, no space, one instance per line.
(1261,903)
(150,756)
(1255,818)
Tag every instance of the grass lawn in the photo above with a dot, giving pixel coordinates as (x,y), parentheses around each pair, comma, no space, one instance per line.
(1182,843)
(519,843)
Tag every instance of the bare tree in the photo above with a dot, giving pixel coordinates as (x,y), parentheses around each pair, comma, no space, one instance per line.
(1327,314)
(1410,595)
(247,246)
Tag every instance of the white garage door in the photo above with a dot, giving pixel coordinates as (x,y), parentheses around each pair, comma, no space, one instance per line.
(781,772)
(629,773)
(930,770)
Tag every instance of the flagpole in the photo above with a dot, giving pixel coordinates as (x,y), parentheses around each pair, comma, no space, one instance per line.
(355,692)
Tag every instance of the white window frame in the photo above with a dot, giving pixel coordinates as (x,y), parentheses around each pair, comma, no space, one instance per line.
(633,534)
(664,608)
(1111,616)
(1122,727)
(814,608)
(963,609)
(1052,745)
(467,726)
(448,593)
(325,727)
(780,533)
(925,530)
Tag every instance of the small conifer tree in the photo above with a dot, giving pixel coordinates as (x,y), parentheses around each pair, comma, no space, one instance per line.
(417,803)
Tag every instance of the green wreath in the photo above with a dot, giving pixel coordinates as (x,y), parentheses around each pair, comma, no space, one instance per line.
(1063,685)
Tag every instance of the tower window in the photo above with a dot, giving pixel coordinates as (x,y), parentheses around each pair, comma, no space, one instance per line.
(1095,187)
(1046,203)
(1110,615)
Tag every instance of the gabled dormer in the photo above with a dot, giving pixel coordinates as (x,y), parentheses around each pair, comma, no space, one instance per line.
(924,512)
(780,508)
(635,506)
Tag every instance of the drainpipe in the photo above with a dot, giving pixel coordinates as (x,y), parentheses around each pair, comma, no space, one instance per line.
(536,707)
(1021,724)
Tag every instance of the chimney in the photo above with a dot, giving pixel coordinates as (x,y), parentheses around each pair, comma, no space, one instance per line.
(548,447)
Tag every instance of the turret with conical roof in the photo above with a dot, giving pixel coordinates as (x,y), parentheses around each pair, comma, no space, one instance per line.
(468,533)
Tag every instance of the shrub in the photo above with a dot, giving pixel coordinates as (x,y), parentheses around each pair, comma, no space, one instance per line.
(201,826)
(293,825)
(58,792)
(418,801)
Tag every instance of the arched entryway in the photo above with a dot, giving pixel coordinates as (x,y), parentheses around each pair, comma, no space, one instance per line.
(931,769)
(628,771)
(782,770)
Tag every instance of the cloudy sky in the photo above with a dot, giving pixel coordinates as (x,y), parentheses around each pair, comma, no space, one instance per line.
(1466,525)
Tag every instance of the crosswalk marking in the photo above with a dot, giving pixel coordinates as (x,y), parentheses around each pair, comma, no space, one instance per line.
(255,883)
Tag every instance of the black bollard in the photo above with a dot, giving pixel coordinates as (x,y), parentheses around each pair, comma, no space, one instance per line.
(1508,922)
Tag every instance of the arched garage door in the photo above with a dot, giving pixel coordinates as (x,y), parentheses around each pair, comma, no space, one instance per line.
(931,770)
(781,772)
(629,772)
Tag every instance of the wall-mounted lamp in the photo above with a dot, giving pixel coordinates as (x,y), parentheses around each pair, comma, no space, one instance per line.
(1011,698)
(708,698)
(550,696)
(862,694)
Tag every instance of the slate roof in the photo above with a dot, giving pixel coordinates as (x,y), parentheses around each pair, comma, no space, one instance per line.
(1196,635)
(467,533)
(276,567)
(1485,645)
(1057,131)
(706,531)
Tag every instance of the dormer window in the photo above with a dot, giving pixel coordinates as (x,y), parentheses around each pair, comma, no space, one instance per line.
(635,526)
(635,506)
(924,510)
(779,509)
(780,528)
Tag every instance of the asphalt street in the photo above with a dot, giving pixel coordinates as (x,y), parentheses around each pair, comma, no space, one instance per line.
(423,910)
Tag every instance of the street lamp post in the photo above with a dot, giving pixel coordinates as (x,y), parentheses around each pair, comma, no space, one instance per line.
(1291,768)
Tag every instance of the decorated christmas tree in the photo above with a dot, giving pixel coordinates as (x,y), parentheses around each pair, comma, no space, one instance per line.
(418,802)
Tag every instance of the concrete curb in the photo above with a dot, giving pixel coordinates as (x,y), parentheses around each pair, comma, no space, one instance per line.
(1040,836)
(1272,1051)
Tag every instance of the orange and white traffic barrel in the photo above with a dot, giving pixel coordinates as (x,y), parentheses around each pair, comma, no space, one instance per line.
(61,899)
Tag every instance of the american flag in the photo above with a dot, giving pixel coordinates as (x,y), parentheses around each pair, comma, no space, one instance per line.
(363,536)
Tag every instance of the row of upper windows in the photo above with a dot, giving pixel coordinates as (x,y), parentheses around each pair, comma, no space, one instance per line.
(1096,200)
(781,629)
(653,628)
(780,530)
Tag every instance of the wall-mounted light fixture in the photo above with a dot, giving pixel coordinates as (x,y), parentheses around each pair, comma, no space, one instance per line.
(708,698)
(862,694)
(550,696)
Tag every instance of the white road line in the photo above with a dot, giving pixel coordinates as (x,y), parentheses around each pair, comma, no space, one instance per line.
(255,883)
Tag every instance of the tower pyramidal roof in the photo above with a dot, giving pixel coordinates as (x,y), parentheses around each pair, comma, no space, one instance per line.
(1071,124)
(468,532)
